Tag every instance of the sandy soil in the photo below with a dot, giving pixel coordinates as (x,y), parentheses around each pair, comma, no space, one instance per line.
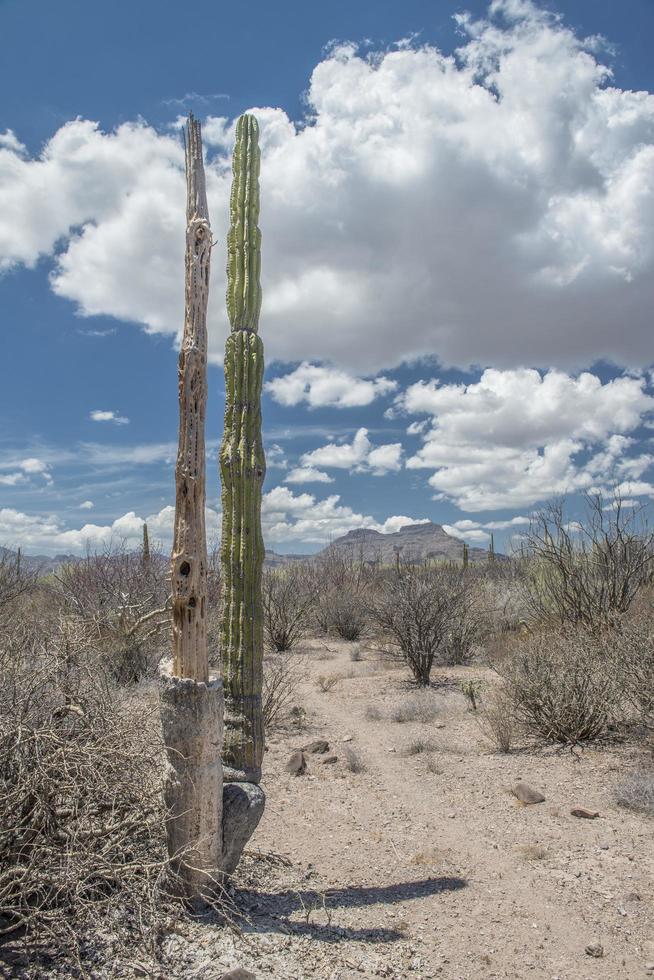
(425,865)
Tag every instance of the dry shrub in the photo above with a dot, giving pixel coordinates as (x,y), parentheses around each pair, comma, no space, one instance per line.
(374,713)
(354,762)
(414,609)
(123,603)
(497,721)
(561,685)
(418,746)
(420,707)
(82,834)
(288,597)
(282,673)
(631,654)
(342,614)
(587,572)
(342,583)
(636,792)
(327,682)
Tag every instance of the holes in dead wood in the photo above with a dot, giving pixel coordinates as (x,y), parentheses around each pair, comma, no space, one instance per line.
(185,569)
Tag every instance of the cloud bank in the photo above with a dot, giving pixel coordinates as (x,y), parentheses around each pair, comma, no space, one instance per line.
(492,206)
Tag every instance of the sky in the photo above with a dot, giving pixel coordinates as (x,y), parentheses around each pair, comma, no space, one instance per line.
(457,211)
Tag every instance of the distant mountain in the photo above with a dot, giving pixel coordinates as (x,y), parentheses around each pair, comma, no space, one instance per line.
(42,564)
(413,542)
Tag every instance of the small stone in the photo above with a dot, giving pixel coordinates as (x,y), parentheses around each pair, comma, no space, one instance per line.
(297,764)
(243,806)
(527,795)
(329,760)
(596,950)
(583,813)
(347,738)
(317,747)
(239,974)
(632,897)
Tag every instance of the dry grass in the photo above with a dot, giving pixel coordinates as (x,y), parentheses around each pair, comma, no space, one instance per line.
(636,792)
(327,682)
(497,721)
(418,746)
(533,852)
(419,707)
(354,762)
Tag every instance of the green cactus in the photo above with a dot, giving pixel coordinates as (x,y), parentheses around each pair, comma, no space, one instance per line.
(466,555)
(242,467)
(491,549)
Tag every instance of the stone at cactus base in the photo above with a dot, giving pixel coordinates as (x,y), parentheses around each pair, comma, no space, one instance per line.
(243,805)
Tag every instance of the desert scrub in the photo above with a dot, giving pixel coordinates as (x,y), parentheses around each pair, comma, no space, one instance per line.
(636,791)
(561,686)
(471,690)
(413,609)
(354,762)
(282,674)
(82,823)
(288,596)
(496,720)
(420,707)
(418,746)
(327,682)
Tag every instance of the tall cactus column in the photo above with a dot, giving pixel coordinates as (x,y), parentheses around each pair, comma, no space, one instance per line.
(242,468)
(191,703)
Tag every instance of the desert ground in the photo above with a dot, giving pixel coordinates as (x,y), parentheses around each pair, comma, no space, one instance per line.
(423,864)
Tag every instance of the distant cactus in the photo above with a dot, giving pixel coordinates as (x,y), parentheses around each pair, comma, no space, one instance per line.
(146,546)
(491,549)
(242,467)
(466,555)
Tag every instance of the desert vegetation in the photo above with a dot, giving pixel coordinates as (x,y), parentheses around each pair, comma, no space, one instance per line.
(552,646)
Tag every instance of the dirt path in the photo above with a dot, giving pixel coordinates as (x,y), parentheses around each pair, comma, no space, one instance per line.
(443,873)
(424,865)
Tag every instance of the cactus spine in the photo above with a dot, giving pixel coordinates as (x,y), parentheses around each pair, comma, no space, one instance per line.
(242,467)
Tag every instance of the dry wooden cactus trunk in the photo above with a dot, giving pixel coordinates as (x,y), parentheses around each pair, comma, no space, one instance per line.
(242,467)
(191,702)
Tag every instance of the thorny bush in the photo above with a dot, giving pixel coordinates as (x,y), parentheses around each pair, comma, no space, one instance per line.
(82,835)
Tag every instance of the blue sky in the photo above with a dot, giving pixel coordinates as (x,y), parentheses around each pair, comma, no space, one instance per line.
(458,241)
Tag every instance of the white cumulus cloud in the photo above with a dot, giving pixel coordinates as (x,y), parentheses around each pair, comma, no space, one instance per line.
(492,206)
(357,456)
(308,474)
(321,386)
(101,415)
(516,437)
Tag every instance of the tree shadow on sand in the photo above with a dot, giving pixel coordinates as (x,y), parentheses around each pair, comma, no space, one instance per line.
(271,911)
